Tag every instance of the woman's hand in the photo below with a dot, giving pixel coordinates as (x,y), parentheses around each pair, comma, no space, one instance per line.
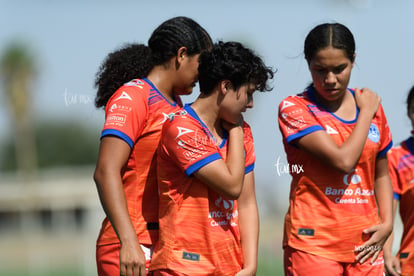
(132,260)
(367,100)
(392,265)
(372,248)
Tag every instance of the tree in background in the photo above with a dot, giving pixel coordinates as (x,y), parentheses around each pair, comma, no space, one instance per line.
(59,144)
(17,67)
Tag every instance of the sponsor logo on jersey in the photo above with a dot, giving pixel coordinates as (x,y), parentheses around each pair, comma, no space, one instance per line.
(374,134)
(137,83)
(113,107)
(171,116)
(191,256)
(225,213)
(306,232)
(119,107)
(404,255)
(352,178)
(115,119)
(297,123)
(224,203)
(289,130)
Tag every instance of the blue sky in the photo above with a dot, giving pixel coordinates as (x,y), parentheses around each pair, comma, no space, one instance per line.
(69,40)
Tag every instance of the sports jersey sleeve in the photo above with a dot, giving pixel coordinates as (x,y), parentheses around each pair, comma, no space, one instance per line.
(188,146)
(250,156)
(392,171)
(295,121)
(125,114)
(385,134)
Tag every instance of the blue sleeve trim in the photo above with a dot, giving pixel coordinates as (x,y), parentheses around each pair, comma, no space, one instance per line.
(303,132)
(397,196)
(249,168)
(201,163)
(119,134)
(384,151)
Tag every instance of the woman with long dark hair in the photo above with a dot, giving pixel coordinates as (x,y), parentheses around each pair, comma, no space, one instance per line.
(340,211)
(139,86)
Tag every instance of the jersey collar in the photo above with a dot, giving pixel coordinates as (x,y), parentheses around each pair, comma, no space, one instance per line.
(191,111)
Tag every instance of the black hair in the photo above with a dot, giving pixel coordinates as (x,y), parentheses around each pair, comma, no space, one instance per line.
(410,98)
(136,60)
(329,34)
(234,62)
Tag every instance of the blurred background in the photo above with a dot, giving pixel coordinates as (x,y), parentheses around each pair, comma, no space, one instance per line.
(50,213)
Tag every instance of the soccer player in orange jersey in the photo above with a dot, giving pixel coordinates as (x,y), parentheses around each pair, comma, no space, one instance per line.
(139,86)
(401,168)
(208,212)
(340,211)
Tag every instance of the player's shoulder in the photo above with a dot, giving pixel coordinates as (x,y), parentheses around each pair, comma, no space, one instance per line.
(292,101)
(128,98)
(178,116)
(179,124)
(246,128)
(133,90)
(402,148)
(246,125)
(179,119)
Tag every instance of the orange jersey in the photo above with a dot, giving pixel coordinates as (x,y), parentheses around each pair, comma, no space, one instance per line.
(329,209)
(135,114)
(401,168)
(199,233)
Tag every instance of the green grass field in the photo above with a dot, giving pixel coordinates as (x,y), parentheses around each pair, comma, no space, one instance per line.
(270,267)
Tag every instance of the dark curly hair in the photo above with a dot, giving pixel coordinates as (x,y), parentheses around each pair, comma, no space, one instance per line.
(234,62)
(136,60)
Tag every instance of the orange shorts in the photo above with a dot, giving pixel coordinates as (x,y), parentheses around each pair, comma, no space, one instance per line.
(107,258)
(166,272)
(299,263)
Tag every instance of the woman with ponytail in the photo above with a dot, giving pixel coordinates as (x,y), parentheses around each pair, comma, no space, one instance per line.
(139,86)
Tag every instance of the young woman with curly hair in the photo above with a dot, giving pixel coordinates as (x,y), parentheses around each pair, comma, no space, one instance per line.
(138,86)
(205,162)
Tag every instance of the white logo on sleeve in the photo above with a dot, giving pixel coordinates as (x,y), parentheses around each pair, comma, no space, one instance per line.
(330,130)
(124,95)
(182,131)
(114,106)
(136,82)
(286,104)
(166,116)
